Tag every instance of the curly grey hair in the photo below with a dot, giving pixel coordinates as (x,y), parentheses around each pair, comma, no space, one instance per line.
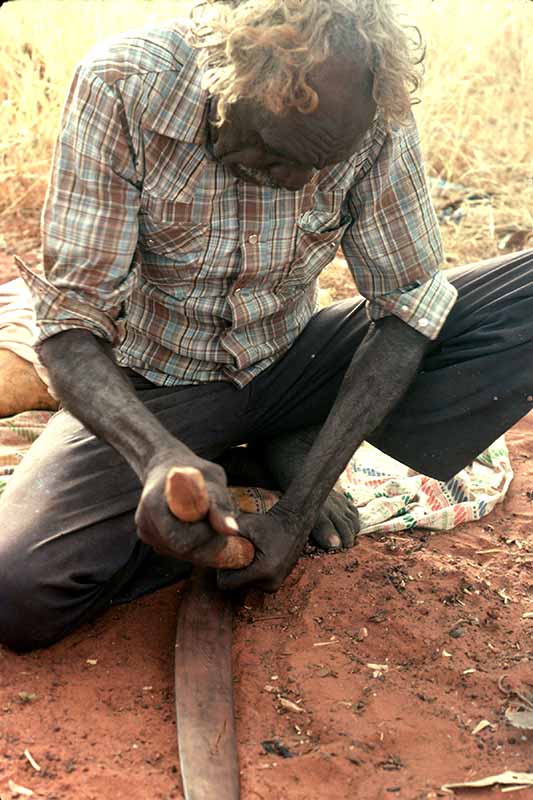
(264,50)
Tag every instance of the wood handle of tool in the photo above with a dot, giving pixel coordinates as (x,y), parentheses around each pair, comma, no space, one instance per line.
(187,498)
(186,494)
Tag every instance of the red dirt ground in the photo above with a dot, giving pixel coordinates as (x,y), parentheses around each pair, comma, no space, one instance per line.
(444,612)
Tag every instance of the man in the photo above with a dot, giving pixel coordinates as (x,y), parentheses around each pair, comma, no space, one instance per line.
(189,213)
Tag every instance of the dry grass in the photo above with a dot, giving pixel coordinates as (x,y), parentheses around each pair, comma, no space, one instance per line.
(475,117)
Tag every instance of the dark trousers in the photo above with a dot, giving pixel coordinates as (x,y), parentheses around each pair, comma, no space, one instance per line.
(68,546)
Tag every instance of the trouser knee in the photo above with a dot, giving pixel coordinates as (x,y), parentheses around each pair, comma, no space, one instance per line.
(28,619)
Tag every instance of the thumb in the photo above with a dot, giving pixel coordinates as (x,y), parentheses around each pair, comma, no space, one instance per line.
(229,580)
(221,515)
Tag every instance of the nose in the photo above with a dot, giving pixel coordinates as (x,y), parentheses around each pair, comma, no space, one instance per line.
(291,177)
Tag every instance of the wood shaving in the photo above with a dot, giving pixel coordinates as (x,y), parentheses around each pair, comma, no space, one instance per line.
(290,706)
(481,726)
(32,761)
(504,596)
(16,789)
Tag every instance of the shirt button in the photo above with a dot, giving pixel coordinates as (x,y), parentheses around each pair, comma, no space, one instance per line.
(423,322)
(253,238)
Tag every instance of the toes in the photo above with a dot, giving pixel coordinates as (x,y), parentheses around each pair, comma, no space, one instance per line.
(346,526)
(324,534)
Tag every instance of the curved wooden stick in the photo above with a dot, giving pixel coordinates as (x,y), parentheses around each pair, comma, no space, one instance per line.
(187,498)
(204,692)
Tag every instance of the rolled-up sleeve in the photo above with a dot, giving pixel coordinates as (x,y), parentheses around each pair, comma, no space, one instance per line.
(393,244)
(90,218)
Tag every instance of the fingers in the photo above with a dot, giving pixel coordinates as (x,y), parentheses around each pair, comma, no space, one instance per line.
(229,581)
(190,499)
(253,576)
(222,519)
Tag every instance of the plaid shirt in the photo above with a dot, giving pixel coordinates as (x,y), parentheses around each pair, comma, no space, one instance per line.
(191,273)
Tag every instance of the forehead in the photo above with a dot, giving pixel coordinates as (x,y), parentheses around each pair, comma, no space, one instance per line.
(345,111)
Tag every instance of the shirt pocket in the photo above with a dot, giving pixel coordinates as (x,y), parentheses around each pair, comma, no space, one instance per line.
(317,237)
(173,236)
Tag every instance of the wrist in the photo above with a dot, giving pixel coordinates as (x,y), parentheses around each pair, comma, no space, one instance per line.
(297,521)
(164,452)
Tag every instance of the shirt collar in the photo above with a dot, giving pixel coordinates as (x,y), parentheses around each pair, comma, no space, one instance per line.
(182,112)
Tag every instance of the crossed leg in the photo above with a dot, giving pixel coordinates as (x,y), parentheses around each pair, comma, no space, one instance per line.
(68,546)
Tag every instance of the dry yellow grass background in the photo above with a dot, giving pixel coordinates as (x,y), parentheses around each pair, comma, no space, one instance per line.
(476,114)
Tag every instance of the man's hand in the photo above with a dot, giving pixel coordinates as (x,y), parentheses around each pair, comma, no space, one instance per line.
(278,539)
(197,542)
(337,524)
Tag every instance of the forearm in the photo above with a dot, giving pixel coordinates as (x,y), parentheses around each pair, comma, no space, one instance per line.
(379,375)
(95,390)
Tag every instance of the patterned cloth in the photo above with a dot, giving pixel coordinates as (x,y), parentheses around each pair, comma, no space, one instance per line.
(390,496)
(16,436)
(193,274)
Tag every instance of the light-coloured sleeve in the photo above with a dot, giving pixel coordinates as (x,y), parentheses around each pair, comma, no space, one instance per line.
(393,245)
(89,223)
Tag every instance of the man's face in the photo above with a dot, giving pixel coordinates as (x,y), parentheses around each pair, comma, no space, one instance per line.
(284,152)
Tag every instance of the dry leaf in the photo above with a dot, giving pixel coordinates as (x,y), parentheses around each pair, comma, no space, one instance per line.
(505,778)
(520,719)
(527,615)
(446,654)
(92,661)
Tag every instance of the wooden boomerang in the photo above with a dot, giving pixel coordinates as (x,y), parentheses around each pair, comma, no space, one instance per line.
(202,666)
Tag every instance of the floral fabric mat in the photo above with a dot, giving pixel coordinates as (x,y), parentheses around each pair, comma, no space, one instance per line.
(389,495)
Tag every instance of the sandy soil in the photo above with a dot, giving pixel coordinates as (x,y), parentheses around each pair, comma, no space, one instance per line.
(444,614)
